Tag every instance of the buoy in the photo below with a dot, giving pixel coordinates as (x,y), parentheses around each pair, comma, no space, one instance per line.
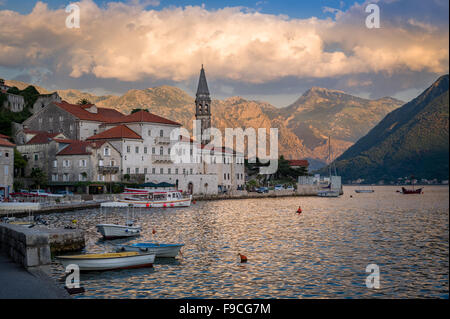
(243,258)
(299,210)
(165,205)
(148,205)
(153,231)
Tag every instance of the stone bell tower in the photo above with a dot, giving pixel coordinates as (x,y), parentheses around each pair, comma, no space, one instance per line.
(203,106)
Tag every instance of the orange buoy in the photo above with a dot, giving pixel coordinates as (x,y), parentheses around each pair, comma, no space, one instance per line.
(299,210)
(243,258)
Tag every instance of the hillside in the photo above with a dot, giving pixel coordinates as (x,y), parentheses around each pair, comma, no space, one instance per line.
(411,140)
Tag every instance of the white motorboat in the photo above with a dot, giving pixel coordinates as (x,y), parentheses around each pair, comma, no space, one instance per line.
(364,190)
(328,193)
(160,250)
(148,198)
(110,231)
(108,261)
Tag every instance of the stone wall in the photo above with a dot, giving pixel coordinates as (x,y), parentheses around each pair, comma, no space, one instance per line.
(25,246)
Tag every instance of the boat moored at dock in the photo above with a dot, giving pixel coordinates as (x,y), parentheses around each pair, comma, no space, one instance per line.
(109,261)
(160,250)
(149,198)
(111,231)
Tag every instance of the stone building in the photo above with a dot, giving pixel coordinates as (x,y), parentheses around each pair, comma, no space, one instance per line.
(85,161)
(6,166)
(76,122)
(14,103)
(43,100)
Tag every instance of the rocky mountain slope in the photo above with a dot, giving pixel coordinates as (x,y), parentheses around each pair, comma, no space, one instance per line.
(303,126)
(411,140)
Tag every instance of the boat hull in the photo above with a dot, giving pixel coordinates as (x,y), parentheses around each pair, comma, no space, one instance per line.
(364,190)
(126,262)
(110,231)
(411,191)
(328,194)
(185,202)
(160,250)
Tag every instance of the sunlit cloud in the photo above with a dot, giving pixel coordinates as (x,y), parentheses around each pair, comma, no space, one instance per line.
(125,42)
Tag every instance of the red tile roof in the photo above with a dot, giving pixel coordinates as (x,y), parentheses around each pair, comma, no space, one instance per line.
(103,115)
(298,163)
(143,116)
(5,142)
(42,137)
(117,132)
(76,148)
(4,136)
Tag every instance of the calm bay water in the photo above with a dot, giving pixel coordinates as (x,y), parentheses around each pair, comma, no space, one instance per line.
(323,253)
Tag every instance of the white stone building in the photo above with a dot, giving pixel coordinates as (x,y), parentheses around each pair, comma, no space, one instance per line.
(6,166)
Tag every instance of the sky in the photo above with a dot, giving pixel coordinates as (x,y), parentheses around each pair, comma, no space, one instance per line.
(264,50)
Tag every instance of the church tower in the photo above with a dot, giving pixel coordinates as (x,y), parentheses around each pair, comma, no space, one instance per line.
(203,106)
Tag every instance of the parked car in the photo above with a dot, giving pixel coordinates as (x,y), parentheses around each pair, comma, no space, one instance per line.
(290,188)
(279,187)
(262,190)
(64,193)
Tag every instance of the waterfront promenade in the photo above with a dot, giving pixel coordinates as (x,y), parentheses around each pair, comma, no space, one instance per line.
(18,283)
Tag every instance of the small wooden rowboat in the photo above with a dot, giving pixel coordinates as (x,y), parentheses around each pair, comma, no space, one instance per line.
(160,250)
(109,261)
(110,231)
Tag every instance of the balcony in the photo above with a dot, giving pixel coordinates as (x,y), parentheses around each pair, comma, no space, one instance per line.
(162,140)
(108,169)
(161,159)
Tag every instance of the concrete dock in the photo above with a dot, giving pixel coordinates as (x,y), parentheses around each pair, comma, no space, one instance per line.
(18,283)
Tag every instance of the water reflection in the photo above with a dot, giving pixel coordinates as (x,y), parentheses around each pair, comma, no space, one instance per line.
(322,253)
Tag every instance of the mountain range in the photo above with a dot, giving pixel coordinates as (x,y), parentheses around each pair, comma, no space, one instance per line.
(412,140)
(304,126)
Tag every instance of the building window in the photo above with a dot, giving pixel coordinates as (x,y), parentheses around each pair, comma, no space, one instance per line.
(184,171)
(36,156)
(191,171)
(128,170)
(106,151)
(128,149)
(100,162)
(161,133)
(176,170)
(83,163)
(228,175)
(153,150)
(161,170)
(65,177)
(61,118)
(113,178)
(224,176)
(145,170)
(54,177)
(66,163)
(136,170)
(112,163)
(145,149)
(149,132)
(161,151)
(153,170)
(137,149)
(55,163)
(6,168)
(169,171)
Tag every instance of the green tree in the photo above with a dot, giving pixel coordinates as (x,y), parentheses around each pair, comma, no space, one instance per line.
(137,110)
(39,177)
(19,162)
(83,101)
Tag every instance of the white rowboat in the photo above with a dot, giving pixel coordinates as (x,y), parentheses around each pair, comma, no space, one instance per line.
(108,261)
(160,250)
(116,231)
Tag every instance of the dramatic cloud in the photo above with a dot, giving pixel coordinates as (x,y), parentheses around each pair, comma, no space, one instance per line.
(127,43)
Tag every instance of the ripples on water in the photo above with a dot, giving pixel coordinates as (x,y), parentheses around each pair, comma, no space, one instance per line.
(323,253)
